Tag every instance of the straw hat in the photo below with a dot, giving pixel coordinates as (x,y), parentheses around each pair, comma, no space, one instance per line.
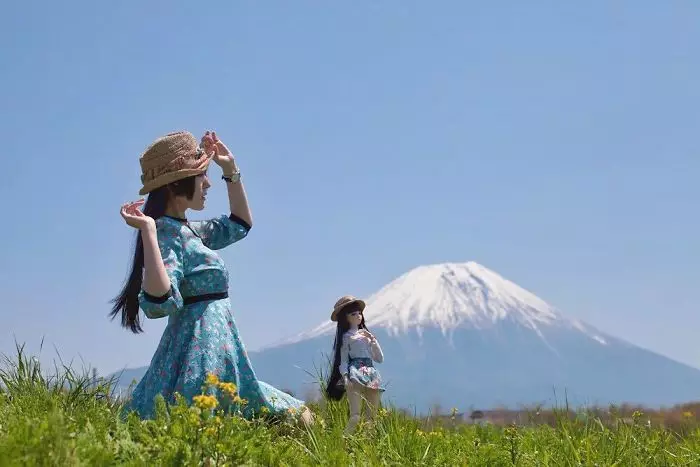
(343,302)
(171,158)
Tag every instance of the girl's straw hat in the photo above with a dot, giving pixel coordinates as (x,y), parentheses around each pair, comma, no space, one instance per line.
(171,158)
(343,302)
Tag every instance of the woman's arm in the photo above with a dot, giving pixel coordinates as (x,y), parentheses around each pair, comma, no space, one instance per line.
(155,278)
(344,356)
(159,293)
(237,198)
(377,354)
(374,347)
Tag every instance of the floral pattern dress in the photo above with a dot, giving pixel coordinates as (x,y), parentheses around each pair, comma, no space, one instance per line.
(357,354)
(201,339)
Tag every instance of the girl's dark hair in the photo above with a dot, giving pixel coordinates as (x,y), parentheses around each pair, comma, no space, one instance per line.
(333,389)
(127,302)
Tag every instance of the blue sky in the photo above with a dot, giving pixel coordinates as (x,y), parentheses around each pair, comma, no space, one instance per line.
(553,142)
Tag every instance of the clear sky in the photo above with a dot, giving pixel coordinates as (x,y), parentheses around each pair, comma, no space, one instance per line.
(553,142)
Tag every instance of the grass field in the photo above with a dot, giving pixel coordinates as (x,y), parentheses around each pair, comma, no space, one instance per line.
(67,420)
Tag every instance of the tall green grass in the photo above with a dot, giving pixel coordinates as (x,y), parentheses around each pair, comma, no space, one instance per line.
(67,418)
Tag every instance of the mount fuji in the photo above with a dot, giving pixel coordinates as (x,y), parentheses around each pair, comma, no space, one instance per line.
(460,335)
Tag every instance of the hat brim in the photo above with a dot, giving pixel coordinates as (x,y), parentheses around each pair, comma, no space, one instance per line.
(336,312)
(172,177)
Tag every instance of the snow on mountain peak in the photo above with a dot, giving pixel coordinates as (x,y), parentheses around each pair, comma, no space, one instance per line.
(453,295)
(450,295)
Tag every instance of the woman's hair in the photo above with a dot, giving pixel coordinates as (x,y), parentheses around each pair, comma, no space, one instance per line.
(333,390)
(127,302)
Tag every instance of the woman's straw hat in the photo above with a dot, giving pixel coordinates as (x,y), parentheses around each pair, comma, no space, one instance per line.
(171,158)
(343,302)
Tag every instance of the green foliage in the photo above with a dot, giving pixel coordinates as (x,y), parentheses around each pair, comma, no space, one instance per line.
(68,419)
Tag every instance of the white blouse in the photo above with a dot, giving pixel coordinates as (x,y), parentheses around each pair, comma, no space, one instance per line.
(357,345)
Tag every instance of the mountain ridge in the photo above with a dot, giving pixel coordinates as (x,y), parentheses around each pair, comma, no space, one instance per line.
(459,333)
(388,309)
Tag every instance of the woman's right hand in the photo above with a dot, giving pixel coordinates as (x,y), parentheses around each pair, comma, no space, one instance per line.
(370,337)
(135,218)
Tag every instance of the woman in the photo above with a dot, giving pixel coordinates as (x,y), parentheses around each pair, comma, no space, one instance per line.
(178,274)
(354,349)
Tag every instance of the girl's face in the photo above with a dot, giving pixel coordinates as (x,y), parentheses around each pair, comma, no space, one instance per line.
(201,185)
(354,318)
(199,198)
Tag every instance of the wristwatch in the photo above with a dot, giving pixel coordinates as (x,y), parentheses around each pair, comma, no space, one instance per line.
(233,178)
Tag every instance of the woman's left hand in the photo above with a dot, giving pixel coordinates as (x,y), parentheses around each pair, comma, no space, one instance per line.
(219,152)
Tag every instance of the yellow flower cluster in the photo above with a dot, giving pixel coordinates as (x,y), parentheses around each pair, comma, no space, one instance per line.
(238,400)
(212,379)
(228,388)
(208,402)
(205,402)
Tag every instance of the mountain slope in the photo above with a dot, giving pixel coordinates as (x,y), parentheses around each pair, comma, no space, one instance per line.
(460,335)
(455,296)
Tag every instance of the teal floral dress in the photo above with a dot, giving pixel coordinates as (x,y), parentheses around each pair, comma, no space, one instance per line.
(201,337)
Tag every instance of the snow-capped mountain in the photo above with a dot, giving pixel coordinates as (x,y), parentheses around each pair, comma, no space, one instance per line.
(460,335)
(451,296)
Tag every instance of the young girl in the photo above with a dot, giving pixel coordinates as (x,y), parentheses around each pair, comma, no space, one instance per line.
(178,274)
(354,349)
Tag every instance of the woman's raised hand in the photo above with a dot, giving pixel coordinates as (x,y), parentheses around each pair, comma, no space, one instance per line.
(368,335)
(135,218)
(218,151)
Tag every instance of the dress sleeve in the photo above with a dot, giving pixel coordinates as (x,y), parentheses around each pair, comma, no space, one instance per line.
(344,355)
(377,354)
(221,231)
(171,251)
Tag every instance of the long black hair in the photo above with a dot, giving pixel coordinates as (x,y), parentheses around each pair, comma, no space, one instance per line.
(333,389)
(127,302)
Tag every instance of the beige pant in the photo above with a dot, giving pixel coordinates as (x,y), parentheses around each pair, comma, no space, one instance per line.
(356,394)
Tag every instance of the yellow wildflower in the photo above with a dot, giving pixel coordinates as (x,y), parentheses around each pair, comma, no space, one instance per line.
(212,379)
(687,414)
(228,388)
(264,410)
(237,400)
(205,402)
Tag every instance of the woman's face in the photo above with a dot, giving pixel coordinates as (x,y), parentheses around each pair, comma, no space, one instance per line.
(354,318)
(199,198)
